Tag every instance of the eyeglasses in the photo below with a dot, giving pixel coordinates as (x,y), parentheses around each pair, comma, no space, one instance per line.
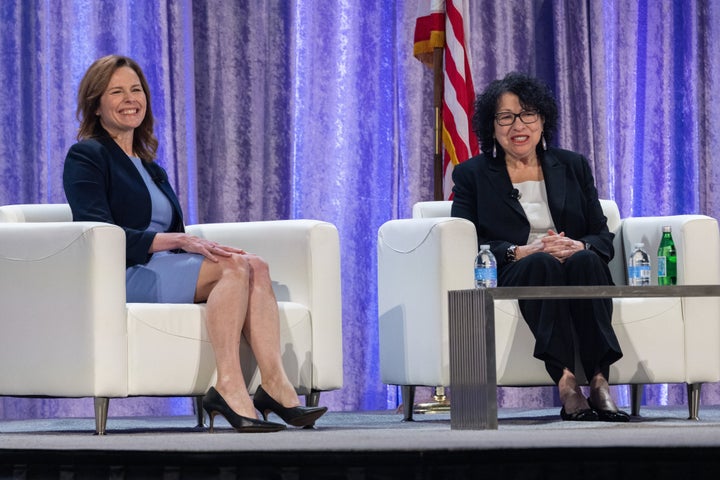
(505,119)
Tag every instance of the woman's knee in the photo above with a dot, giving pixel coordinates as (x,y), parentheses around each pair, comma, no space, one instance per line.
(537,269)
(583,258)
(545,267)
(233,268)
(235,265)
(586,264)
(259,267)
(544,261)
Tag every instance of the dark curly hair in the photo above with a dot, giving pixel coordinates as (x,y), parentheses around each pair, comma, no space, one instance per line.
(533,94)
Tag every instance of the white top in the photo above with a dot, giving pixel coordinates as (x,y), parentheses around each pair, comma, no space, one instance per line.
(533,199)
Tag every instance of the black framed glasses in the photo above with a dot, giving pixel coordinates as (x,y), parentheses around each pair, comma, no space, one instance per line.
(505,119)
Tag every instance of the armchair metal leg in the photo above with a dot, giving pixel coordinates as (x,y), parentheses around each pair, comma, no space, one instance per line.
(408,398)
(636,397)
(312,399)
(199,412)
(101,414)
(693,390)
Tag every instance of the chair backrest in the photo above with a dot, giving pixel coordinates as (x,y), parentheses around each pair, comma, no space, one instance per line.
(441,208)
(610,209)
(39,212)
(614,223)
(432,209)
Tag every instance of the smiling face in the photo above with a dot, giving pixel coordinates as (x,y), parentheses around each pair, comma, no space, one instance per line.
(519,140)
(123,104)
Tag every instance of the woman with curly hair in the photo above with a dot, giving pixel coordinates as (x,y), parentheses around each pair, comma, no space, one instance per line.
(538,209)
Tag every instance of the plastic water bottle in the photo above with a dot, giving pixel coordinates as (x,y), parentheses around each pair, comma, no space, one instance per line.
(639,266)
(485,268)
(667,258)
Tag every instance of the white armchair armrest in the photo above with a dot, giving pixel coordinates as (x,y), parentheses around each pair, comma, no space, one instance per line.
(419,261)
(697,241)
(62,291)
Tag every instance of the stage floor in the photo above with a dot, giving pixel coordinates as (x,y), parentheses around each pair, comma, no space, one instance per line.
(528,444)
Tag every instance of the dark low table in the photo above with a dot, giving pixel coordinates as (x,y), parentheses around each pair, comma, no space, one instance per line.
(471,319)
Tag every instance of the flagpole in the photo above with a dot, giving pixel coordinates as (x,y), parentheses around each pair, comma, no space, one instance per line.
(437,104)
(431,37)
(440,401)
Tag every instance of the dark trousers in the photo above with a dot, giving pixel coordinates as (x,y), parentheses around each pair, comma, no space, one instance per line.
(552,322)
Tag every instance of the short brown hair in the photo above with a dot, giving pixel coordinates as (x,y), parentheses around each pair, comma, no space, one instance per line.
(92,87)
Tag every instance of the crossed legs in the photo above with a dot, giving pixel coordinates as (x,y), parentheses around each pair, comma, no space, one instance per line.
(240,301)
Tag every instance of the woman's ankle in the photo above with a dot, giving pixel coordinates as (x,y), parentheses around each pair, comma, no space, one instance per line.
(570,393)
(600,395)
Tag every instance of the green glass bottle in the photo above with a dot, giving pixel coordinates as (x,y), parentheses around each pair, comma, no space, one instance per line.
(667,259)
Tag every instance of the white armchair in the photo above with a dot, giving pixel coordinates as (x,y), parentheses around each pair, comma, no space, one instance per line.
(664,340)
(68,332)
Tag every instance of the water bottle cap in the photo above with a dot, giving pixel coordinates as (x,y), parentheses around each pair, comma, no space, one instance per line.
(484,247)
(639,245)
(667,228)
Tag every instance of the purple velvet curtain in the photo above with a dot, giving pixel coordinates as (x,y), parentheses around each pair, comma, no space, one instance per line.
(271,109)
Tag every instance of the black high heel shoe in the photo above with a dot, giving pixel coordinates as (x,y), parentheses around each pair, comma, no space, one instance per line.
(584,415)
(295,416)
(214,403)
(610,415)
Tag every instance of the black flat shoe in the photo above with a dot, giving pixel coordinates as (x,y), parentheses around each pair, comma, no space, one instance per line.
(214,403)
(295,416)
(609,416)
(584,415)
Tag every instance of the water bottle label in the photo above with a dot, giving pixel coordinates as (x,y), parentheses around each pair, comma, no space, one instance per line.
(638,275)
(483,274)
(644,272)
(633,272)
(662,267)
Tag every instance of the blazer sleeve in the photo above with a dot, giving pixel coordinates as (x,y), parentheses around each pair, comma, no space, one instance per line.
(596,234)
(93,194)
(464,203)
(499,228)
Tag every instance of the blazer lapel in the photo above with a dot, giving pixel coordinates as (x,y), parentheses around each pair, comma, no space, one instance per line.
(554,173)
(500,181)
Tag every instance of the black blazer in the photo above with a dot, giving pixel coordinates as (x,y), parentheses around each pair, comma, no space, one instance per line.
(483,194)
(102,185)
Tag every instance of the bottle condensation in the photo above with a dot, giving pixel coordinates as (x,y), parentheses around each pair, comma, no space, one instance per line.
(667,258)
(638,266)
(485,268)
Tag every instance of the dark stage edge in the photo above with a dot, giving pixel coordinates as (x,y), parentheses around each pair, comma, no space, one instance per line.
(533,444)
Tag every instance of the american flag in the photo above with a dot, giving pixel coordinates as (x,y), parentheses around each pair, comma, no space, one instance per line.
(444,24)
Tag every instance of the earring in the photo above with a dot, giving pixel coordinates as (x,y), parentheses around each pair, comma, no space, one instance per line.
(494,149)
(544,143)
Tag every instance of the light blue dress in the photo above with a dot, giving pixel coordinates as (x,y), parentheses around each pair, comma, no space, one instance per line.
(168,277)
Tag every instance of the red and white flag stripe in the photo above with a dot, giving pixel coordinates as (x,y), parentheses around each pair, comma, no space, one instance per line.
(459,139)
(429,29)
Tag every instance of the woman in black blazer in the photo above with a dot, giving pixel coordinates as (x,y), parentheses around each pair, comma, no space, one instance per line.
(110,176)
(538,209)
